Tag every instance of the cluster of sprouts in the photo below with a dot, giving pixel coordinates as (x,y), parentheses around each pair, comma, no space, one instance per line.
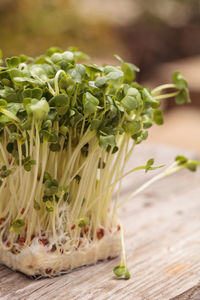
(66,133)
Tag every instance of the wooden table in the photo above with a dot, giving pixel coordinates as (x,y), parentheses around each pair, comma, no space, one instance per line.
(162,241)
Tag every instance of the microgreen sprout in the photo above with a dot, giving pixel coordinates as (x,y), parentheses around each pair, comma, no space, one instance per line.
(67,129)
(122,270)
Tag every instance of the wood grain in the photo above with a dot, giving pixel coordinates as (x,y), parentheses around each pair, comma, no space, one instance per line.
(162,240)
(191,294)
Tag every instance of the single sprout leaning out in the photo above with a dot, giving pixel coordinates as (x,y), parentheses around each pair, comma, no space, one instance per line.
(179,164)
(66,132)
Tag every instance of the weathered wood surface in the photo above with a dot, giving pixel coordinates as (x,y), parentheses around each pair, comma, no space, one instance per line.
(192,293)
(162,240)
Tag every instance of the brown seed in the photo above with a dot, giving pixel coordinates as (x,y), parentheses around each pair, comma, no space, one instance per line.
(53,248)
(21,240)
(32,236)
(85,230)
(22,211)
(8,243)
(79,243)
(118,227)
(44,242)
(100,233)
(2,220)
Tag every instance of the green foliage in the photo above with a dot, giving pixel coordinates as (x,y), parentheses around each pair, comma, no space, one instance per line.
(122,271)
(58,119)
(131,127)
(49,206)
(90,103)
(181,84)
(131,100)
(183,161)
(27,162)
(4,172)
(17,226)
(36,205)
(83,222)
(50,187)
(55,88)
(158,117)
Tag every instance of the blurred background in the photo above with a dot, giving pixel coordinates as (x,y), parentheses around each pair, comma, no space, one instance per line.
(159,36)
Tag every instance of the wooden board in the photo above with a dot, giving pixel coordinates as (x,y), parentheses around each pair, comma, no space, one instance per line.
(162,241)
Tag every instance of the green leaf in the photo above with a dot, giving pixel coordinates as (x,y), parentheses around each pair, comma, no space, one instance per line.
(3,103)
(121,271)
(83,222)
(101,82)
(140,136)
(10,147)
(38,108)
(27,93)
(61,103)
(131,127)
(77,73)
(36,205)
(158,116)
(24,58)
(108,140)
(90,103)
(95,124)
(93,68)
(192,165)
(46,176)
(17,226)
(67,197)
(53,50)
(68,56)
(181,159)
(189,164)
(4,172)
(179,80)
(114,75)
(147,121)
(10,95)
(50,187)
(55,147)
(49,206)
(13,61)
(128,70)
(149,98)
(183,97)
(26,80)
(35,93)
(27,162)
(77,178)
(132,99)
(149,164)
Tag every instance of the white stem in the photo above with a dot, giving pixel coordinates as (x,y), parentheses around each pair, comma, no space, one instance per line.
(169,171)
(162,87)
(56,81)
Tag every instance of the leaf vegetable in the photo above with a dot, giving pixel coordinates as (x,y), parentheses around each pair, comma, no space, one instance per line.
(66,131)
